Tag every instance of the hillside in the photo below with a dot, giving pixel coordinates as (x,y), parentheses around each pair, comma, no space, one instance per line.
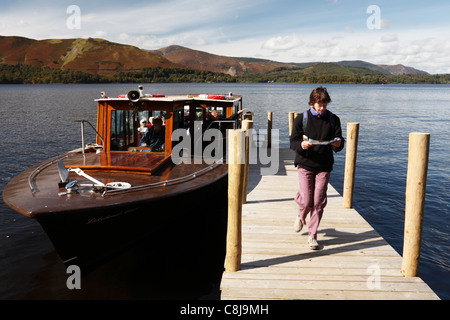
(201,60)
(24,60)
(93,56)
(400,69)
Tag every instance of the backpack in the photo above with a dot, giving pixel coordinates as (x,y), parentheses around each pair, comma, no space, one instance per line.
(305,121)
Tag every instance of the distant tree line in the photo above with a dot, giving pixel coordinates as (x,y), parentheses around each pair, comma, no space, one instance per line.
(25,74)
(171,75)
(299,77)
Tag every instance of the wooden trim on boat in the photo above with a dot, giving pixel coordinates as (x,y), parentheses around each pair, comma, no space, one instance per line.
(122,161)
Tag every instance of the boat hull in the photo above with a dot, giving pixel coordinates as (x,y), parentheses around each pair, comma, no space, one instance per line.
(88,238)
(88,228)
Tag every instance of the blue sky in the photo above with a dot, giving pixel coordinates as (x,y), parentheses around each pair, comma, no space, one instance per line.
(413,33)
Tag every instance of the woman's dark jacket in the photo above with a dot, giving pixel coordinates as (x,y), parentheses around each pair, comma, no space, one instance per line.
(317,158)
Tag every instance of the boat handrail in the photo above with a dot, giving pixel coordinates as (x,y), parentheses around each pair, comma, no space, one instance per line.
(41,167)
(82,134)
(234,122)
(163,183)
(52,161)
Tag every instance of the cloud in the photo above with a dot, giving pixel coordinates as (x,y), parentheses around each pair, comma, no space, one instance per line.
(391,37)
(385,24)
(282,43)
(278,30)
(411,48)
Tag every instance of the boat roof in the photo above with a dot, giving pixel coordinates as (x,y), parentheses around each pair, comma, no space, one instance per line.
(178,97)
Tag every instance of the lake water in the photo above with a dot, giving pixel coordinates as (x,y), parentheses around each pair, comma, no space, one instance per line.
(38,122)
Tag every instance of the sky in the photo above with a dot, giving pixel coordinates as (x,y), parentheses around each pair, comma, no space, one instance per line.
(412,33)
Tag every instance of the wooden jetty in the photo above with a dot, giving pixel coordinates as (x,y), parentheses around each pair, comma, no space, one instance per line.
(354,262)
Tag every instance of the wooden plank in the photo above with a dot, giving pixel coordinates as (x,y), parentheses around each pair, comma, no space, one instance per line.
(327,285)
(304,294)
(354,261)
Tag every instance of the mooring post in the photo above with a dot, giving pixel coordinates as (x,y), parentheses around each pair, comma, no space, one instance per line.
(416,180)
(269,129)
(291,122)
(247,126)
(350,163)
(247,116)
(236,164)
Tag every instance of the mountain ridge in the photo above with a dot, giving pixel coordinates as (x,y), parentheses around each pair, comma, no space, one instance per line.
(94,56)
(101,57)
(205,61)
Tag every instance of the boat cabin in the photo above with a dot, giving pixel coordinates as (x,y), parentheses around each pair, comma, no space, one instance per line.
(122,124)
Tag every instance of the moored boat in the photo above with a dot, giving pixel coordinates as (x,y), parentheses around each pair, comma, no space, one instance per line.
(96,200)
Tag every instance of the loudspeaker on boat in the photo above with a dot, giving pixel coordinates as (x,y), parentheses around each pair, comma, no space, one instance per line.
(133,96)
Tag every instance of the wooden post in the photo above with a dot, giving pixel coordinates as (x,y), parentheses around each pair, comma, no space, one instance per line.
(269,129)
(350,163)
(236,139)
(416,180)
(291,122)
(247,126)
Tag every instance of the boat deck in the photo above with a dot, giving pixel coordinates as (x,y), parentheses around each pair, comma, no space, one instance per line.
(354,261)
(143,162)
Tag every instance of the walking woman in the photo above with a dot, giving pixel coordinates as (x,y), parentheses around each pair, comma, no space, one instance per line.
(316,134)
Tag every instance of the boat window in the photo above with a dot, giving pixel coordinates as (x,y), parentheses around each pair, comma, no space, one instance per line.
(199,114)
(122,130)
(159,114)
(142,125)
(181,118)
(142,115)
(220,110)
(127,132)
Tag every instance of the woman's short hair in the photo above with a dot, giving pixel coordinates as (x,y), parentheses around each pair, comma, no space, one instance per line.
(157,120)
(319,95)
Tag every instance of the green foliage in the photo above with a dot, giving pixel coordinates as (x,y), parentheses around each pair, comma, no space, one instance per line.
(320,73)
(171,75)
(24,74)
(351,75)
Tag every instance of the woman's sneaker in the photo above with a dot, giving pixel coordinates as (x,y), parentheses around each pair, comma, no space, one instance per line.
(298,225)
(313,245)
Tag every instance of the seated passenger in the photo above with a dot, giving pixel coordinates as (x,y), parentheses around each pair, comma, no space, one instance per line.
(142,130)
(143,127)
(214,116)
(155,136)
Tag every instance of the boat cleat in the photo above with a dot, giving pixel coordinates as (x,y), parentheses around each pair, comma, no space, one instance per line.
(71,187)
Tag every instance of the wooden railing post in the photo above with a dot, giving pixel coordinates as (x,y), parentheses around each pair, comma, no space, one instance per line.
(416,180)
(236,160)
(350,163)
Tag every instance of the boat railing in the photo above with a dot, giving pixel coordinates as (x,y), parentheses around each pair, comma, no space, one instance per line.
(46,164)
(83,145)
(220,122)
(39,169)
